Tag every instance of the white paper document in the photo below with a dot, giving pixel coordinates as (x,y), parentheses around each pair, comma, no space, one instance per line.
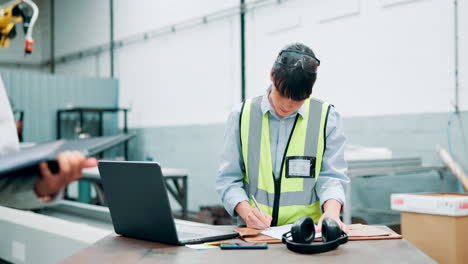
(200,246)
(278,231)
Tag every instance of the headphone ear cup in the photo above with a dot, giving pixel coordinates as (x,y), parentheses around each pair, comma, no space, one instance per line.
(303,230)
(330,230)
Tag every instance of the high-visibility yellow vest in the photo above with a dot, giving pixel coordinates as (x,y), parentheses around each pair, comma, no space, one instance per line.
(285,199)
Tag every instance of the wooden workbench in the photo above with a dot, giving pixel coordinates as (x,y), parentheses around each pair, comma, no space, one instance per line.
(117,249)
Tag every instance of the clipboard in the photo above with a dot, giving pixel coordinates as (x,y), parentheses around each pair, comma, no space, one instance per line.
(355,232)
(25,162)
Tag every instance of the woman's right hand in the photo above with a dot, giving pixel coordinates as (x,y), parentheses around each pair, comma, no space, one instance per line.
(252,216)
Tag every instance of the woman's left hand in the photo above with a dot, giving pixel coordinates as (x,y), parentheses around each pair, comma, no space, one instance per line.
(332,209)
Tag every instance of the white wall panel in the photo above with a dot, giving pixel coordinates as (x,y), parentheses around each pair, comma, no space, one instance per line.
(389,3)
(328,10)
(132,17)
(463,53)
(189,77)
(382,61)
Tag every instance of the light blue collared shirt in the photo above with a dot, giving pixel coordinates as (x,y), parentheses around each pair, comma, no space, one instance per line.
(331,182)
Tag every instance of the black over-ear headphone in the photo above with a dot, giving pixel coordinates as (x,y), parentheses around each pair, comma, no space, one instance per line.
(303,233)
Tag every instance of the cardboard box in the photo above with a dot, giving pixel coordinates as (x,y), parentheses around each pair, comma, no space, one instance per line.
(453,204)
(436,223)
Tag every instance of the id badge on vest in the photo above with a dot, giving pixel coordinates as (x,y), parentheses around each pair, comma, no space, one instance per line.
(300,167)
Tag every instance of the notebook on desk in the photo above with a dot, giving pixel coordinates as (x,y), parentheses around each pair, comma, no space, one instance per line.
(139,205)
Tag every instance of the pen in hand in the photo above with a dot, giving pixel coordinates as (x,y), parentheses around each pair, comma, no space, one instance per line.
(264,218)
(256,204)
(258,207)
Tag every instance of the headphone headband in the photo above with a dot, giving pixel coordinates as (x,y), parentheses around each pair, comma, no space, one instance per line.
(332,236)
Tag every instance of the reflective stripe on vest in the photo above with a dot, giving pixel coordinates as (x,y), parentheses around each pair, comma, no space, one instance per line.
(295,197)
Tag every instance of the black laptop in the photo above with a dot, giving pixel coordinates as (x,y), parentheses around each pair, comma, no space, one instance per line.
(139,205)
